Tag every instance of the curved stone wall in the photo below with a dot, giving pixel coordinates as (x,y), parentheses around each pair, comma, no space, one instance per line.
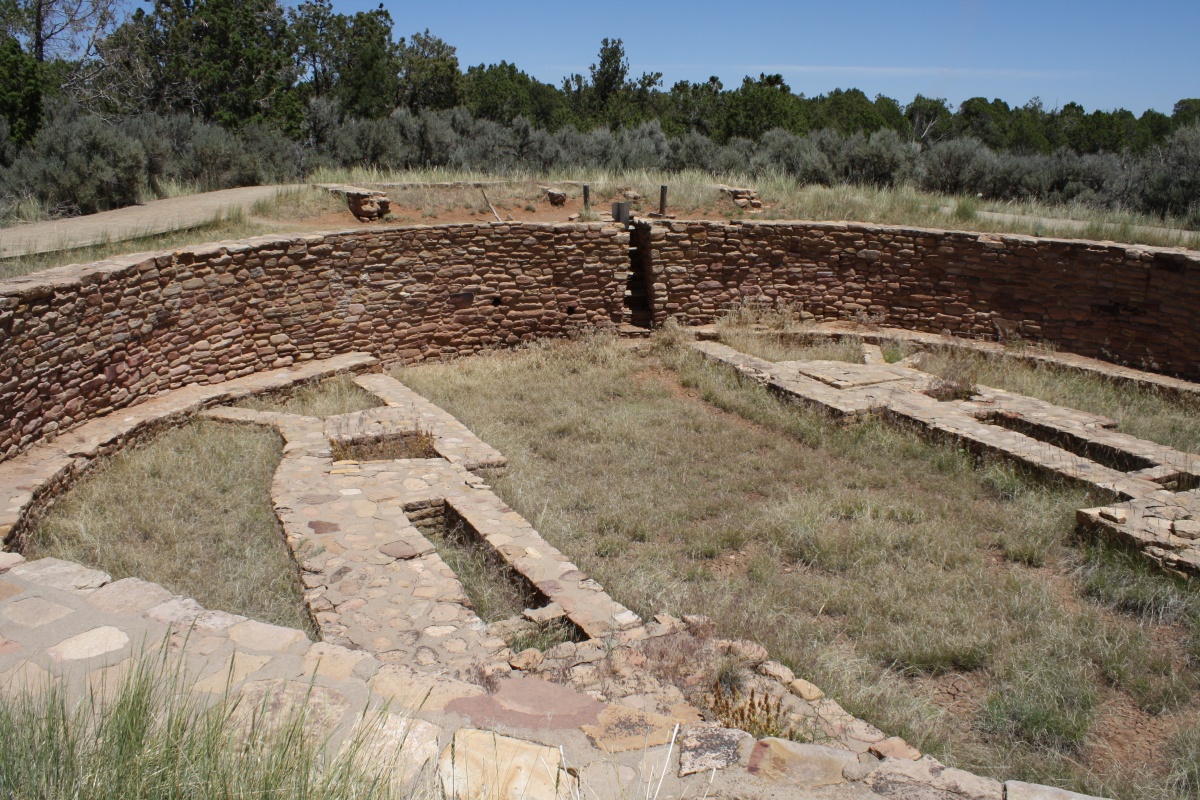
(1126,303)
(81,341)
(78,342)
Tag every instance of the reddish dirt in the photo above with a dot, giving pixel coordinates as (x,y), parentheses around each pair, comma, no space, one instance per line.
(515,212)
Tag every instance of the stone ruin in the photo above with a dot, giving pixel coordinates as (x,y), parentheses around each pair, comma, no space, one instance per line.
(97,356)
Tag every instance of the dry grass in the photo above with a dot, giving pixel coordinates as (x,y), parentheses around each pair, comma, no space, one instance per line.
(870,560)
(326,398)
(495,592)
(694,193)
(780,347)
(190,510)
(1141,412)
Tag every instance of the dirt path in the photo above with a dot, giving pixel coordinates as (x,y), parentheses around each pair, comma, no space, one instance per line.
(1061,226)
(159,216)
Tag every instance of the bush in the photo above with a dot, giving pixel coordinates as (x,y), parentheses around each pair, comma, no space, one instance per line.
(80,164)
(369,142)
(1171,178)
(955,166)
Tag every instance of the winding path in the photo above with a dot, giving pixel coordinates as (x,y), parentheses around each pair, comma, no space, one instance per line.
(158,216)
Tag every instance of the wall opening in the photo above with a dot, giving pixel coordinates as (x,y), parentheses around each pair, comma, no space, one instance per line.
(640,283)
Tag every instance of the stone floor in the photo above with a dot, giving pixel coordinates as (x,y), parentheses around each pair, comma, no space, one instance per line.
(1155,508)
(612,713)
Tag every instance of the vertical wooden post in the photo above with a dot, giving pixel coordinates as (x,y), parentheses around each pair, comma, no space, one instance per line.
(587,196)
(662,201)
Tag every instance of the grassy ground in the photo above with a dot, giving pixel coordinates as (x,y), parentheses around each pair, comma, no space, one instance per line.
(941,599)
(153,739)
(327,398)
(777,347)
(693,193)
(190,510)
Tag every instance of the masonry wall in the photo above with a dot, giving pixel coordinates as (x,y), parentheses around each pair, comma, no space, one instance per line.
(1136,305)
(77,342)
(82,341)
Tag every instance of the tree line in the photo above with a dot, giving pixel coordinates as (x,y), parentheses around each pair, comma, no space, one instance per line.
(292,87)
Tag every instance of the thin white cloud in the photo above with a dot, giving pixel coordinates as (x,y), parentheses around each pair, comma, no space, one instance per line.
(967,72)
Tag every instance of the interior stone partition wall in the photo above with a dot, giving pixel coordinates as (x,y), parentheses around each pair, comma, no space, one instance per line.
(1129,303)
(81,341)
(77,342)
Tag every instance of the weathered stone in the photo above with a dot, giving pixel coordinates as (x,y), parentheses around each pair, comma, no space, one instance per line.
(409,689)
(777,671)
(409,744)
(128,596)
(527,659)
(894,747)
(261,636)
(805,690)
(1017,790)
(34,612)
(544,615)
(620,728)
(707,746)
(529,703)
(803,765)
(481,764)
(96,642)
(274,700)
(927,779)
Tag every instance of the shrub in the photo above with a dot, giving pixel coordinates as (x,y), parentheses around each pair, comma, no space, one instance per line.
(79,163)
(955,166)
(1171,178)
(369,142)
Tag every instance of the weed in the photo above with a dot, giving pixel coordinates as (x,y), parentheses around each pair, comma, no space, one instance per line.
(759,715)
(419,443)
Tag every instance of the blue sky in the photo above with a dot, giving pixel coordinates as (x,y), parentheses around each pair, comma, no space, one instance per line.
(1103,54)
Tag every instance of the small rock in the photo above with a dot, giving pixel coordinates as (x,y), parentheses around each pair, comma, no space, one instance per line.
(546,614)
(707,746)
(927,777)
(10,560)
(631,195)
(401,550)
(894,747)
(1019,790)
(1186,528)
(527,659)
(367,206)
(777,671)
(1114,515)
(749,652)
(805,690)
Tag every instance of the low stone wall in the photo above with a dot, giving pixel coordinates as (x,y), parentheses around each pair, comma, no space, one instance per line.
(1132,304)
(81,341)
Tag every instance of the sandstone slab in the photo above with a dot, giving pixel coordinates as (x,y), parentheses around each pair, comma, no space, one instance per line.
(620,728)
(96,642)
(707,746)
(803,765)
(128,596)
(529,703)
(34,612)
(481,765)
